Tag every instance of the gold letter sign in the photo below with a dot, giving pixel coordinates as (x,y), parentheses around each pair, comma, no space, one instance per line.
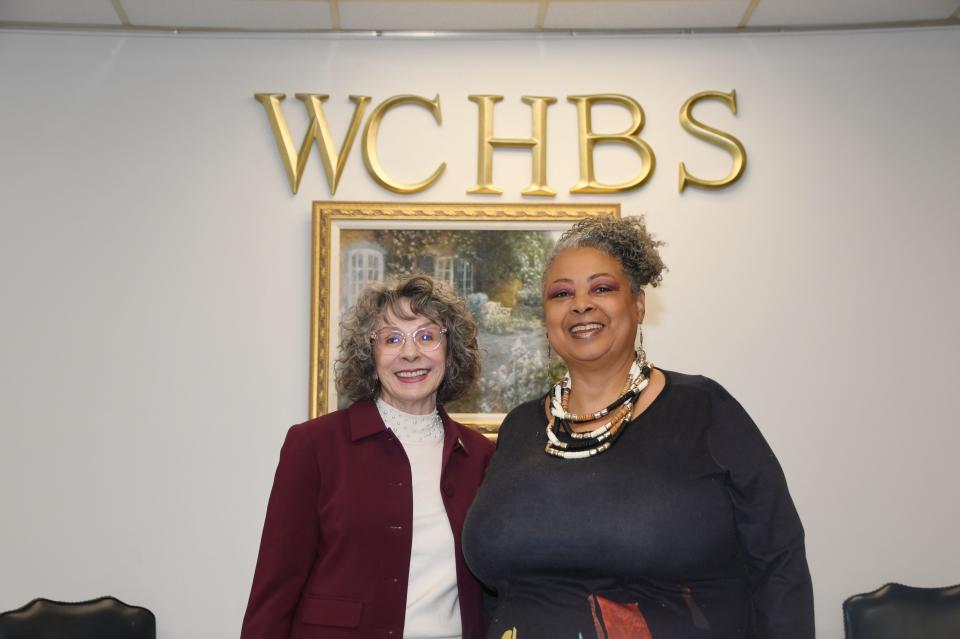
(372,160)
(294,163)
(588,141)
(537,143)
(714,136)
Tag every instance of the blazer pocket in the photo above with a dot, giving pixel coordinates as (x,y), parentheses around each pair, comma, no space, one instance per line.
(340,612)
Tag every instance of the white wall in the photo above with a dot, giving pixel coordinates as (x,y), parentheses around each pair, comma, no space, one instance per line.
(155,280)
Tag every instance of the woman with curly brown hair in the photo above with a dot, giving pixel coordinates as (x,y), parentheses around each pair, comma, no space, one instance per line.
(632,502)
(362,533)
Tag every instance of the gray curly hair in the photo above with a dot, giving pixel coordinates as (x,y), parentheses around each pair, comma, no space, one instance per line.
(626,240)
(356,368)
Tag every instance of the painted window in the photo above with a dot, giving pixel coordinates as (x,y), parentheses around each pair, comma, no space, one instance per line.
(463,274)
(456,272)
(364,266)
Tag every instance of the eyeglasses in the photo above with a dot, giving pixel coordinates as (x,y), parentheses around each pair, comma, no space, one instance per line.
(391,340)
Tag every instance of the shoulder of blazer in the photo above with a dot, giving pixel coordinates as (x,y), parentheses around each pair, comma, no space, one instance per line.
(360,419)
(474,441)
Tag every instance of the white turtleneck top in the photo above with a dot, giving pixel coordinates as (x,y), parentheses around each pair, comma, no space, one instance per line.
(433,603)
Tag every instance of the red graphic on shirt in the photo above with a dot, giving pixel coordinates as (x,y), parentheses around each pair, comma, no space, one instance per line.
(614,620)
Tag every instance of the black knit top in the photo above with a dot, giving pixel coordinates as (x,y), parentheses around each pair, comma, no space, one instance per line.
(684,529)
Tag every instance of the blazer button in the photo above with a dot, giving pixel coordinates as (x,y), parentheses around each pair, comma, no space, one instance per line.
(395,528)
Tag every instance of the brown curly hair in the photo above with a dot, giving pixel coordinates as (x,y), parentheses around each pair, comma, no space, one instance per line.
(626,240)
(356,367)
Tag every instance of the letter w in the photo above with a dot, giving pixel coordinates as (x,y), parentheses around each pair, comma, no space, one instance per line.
(295,162)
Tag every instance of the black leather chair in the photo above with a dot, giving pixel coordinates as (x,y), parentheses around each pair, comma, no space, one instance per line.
(103,618)
(895,611)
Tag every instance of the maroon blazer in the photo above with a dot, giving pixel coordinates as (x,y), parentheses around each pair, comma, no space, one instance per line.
(335,553)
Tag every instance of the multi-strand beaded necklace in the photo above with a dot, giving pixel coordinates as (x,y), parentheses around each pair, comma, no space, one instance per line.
(564,442)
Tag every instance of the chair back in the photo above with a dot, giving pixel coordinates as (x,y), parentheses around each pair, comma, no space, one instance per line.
(895,611)
(103,618)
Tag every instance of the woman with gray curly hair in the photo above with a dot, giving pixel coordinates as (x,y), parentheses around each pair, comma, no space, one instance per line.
(641,503)
(362,533)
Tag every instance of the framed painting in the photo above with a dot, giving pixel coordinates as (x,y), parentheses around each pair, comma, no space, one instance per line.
(492,255)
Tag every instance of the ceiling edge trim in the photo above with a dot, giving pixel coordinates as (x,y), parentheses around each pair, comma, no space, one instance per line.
(54,27)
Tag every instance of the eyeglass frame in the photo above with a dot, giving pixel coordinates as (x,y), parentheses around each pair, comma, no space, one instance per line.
(411,334)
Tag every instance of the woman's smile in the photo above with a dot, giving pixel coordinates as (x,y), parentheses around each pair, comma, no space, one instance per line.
(586,331)
(412,376)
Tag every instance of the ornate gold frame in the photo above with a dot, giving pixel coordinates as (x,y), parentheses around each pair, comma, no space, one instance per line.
(326,214)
